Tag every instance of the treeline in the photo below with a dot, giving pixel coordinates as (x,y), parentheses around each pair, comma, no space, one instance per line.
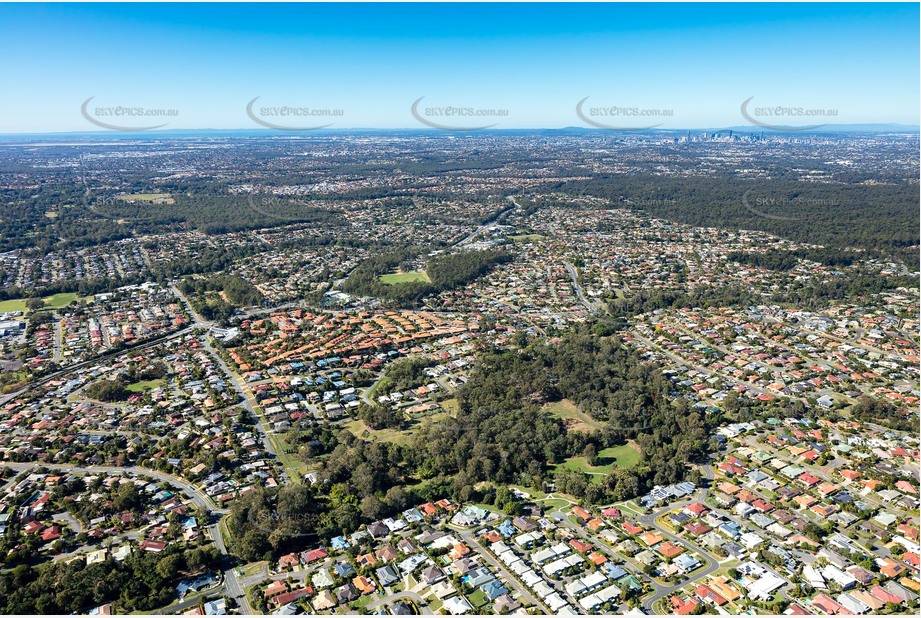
(882,412)
(218,297)
(882,219)
(407,373)
(452,270)
(239,291)
(142,582)
(446,272)
(805,295)
(784,260)
(83,287)
(360,482)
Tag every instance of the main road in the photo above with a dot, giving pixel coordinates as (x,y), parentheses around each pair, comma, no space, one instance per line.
(249,404)
(574,275)
(499,215)
(248,401)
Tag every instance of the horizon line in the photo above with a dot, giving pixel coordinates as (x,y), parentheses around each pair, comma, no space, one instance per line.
(627,131)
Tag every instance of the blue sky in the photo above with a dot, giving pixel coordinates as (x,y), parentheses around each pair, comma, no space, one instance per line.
(537,61)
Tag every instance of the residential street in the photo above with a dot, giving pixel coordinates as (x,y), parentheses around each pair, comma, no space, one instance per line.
(232,586)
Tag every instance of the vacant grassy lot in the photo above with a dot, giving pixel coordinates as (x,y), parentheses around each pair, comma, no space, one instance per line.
(396,436)
(574,418)
(289,461)
(450,406)
(407,277)
(360,430)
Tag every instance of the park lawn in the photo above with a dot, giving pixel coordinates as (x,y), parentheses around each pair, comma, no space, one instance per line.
(575,419)
(146,385)
(580,464)
(60,300)
(407,277)
(54,302)
(526,237)
(554,503)
(16,304)
(623,456)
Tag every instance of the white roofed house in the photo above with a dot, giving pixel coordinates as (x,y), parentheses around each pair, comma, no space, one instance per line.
(457,606)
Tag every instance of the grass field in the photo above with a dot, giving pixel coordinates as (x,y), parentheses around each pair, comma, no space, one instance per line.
(147,197)
(289,461)
(360,430)
(526,237)
(54,302)
(624,456)
(362,602)
(407,277)
(450,406)
(574,418)
(140,387)
(395,436)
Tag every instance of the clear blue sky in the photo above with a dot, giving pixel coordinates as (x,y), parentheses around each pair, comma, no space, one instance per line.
(537,61)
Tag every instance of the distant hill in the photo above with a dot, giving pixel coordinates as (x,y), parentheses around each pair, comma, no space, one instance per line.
(187,133)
